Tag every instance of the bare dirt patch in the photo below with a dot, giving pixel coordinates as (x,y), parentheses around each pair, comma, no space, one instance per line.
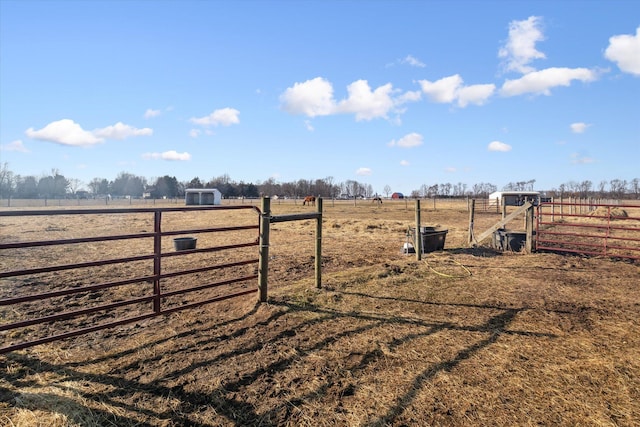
(466,336)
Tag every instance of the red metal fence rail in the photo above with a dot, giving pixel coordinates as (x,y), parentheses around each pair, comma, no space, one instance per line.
(24,293)
(610,230)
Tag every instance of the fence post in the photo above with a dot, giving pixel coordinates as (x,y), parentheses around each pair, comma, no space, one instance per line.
(319,244)
(157,258)
(263,266)
(529,229)
(472,213)
(418,241)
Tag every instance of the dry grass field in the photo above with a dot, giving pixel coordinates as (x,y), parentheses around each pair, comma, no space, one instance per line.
(465,336)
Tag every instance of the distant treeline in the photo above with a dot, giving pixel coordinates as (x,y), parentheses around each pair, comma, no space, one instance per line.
(57,186)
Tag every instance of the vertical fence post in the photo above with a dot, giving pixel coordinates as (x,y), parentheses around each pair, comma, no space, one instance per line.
(418,241)
(157,257)
(529,229)
(263,266)
(572,206)
(472,212)
(319,244)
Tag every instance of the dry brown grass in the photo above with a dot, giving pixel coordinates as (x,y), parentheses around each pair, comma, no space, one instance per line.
(538,339)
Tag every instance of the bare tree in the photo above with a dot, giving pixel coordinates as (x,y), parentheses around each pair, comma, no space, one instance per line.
(585,188)
(74,185)
(446,189)
(635,187)
(7,181)
(618,187)
(601,188)
(531,184)
(422,193)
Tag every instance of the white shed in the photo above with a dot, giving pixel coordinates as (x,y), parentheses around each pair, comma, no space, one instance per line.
(202,196)
(513,198)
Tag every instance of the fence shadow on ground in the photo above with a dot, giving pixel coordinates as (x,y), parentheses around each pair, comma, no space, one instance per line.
(227,399)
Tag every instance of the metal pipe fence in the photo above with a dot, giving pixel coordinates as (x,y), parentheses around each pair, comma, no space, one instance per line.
(46,298)
(589,228)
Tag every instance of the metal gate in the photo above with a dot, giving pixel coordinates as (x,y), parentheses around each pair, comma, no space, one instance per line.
(64,287)
(610,230)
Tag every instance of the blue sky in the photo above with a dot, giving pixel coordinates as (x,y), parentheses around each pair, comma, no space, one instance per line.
(397,93)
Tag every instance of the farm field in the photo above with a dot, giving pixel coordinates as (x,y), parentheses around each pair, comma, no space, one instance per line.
(465,336)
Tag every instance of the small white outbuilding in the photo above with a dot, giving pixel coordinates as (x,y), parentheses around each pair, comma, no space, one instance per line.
(202,196)
(513,198)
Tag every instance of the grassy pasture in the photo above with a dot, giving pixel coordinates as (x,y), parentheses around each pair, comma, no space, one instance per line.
(466,336)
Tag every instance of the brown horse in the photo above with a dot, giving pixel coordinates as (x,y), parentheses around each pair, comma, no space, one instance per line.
(310,200)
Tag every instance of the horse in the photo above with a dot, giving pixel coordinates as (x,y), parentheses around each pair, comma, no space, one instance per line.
(377,200)
(311,200)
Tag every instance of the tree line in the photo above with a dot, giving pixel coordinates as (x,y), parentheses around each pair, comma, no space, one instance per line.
(55,185)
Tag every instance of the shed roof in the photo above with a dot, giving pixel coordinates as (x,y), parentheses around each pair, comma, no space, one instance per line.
(500,194)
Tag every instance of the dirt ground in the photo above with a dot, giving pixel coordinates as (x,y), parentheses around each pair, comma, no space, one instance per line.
(465,336)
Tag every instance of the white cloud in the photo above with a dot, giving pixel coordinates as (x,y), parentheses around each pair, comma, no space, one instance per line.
(450,169)
(498,146)
(541,82)
(16,145)
(194,133)
(151,113)
(121,131)
(308,126)
(451,89)
(315,98)
(364,171)
(443,90)
(408,141)
(624,50)
(520,48)
(65,132)
(579,127)
(409,96)
(167,155)
(404,163)
(224,117)
(475,94)
(311,98)
(68,132)
(581,159)
(364,103)
(413,61)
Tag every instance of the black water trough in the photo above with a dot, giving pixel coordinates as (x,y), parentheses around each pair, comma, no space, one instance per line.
(509,240)
(432,238)
(184,243)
